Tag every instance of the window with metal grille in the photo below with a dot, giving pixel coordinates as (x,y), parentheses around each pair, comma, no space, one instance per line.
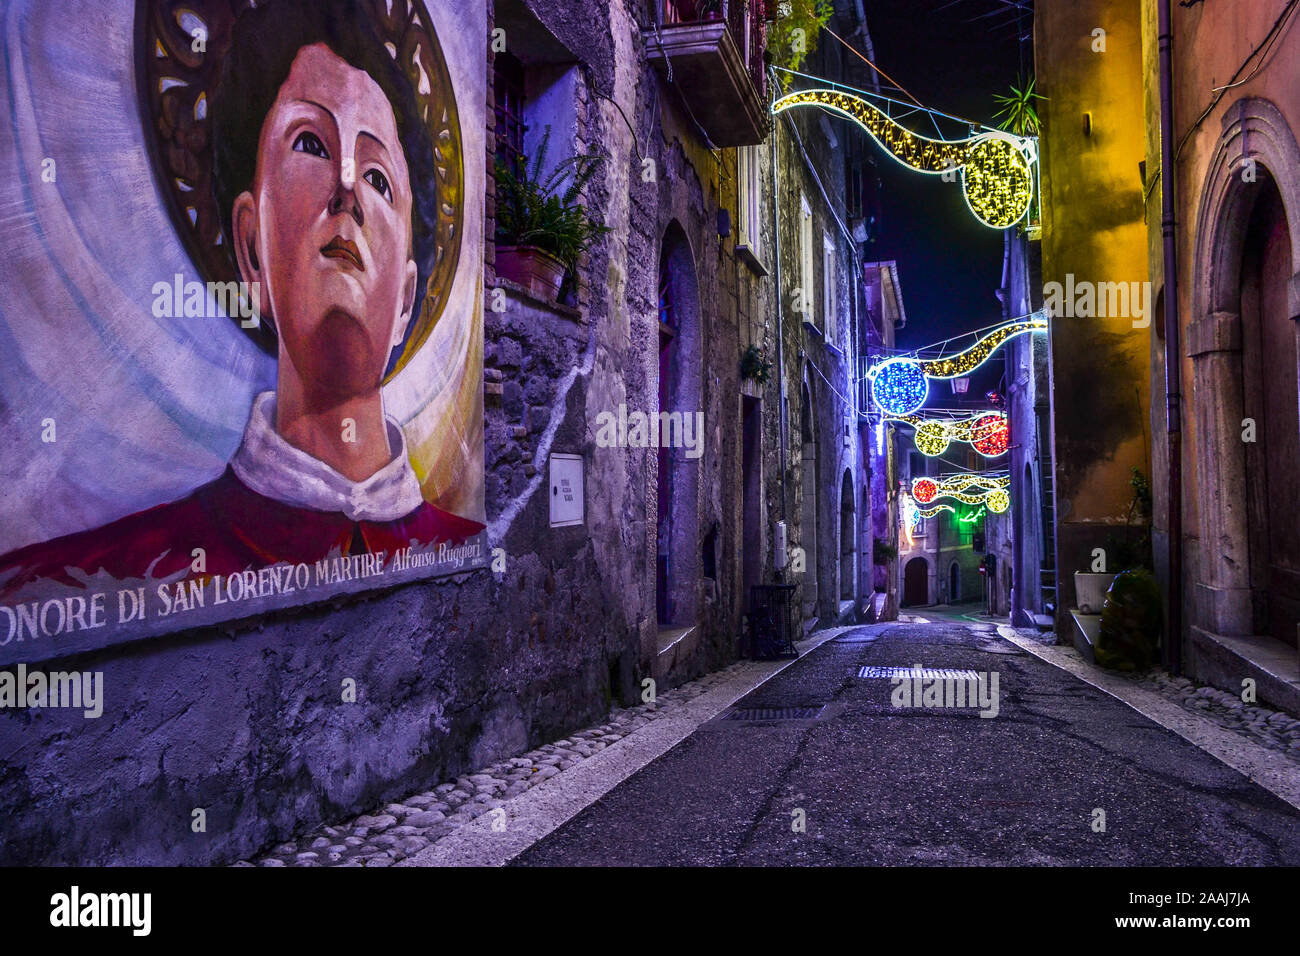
(508,87)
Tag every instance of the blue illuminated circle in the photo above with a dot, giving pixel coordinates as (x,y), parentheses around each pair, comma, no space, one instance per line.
(900,386)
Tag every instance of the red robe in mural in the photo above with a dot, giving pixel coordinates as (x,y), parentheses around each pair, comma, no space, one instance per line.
(274,503)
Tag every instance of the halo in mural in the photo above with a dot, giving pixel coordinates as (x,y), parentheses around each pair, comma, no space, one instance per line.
(180,46)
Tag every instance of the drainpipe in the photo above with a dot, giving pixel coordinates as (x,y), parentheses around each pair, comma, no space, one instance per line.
(1173,348)
(780,313)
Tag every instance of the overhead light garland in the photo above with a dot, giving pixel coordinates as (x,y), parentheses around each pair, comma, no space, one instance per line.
(991,490)
(996,167)
(987,433)
(912,515)
(900,385)
(990,435)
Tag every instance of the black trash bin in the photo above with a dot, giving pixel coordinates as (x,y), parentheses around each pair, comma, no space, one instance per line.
(771,621)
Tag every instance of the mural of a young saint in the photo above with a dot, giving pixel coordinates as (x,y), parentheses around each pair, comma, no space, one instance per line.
(321,170)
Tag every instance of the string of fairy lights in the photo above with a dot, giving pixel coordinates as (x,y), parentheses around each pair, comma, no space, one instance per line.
(986,432)
(901,385)
(998,173)
(997,169)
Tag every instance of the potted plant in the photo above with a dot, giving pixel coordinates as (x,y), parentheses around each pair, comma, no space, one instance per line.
(754,364)
(1019,113)
(541,231)
(1132,552)
(1129,636)
(794,30)
(709,9)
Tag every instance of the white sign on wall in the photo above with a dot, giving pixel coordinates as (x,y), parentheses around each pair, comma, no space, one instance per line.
(566,491)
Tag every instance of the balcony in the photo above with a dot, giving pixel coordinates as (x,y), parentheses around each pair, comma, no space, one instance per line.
(712,52)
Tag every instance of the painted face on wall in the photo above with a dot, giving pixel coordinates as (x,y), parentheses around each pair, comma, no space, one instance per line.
(326,227)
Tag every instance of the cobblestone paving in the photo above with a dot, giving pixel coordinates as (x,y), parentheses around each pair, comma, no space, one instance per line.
(1258,723)
(398,830)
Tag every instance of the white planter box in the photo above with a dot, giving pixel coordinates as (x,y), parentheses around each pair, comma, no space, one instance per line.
(1090,590)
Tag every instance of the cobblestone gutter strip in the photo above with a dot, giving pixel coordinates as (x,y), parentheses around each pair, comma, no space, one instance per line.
(580,769)
(1205,717)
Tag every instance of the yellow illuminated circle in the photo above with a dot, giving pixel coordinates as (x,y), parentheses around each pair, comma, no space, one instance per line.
(998,501)
(931,438)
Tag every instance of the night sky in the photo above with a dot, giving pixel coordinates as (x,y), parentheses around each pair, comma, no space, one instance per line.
(949,263)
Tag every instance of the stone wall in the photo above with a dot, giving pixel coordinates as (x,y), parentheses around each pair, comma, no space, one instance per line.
(247,722)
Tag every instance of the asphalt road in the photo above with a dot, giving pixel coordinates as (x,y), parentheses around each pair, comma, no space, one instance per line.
(879,785)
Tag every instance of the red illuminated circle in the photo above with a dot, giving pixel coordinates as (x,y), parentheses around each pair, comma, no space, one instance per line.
(990,435)
(924,490)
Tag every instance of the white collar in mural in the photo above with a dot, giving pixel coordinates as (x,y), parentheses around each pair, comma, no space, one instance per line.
(269,465)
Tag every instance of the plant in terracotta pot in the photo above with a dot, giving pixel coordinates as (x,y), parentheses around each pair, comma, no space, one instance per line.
(754,365)
(542,229)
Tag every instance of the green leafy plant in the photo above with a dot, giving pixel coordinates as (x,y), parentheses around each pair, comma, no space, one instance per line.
(1019,115)
(1133,550)
(754,364)
(882,552)
(533,211)
(1129,639)
(794,33)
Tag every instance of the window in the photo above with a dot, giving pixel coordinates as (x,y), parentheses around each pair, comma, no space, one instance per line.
(508,87)
(828,289)
(807,280)
(749,199)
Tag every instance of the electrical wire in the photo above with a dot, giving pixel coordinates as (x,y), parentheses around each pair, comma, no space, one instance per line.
(1219,91)
(972,124)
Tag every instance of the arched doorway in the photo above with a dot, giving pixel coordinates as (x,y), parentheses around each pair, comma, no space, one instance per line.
(1241,338)
(808,509)
(916,574)
(676,554)
(954,583)
(1270,399)
(848,540)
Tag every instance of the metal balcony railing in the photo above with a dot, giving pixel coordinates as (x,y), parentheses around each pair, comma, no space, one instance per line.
(745,23)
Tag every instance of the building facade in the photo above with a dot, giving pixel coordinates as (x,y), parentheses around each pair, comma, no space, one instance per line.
(1236,185)
(726,290)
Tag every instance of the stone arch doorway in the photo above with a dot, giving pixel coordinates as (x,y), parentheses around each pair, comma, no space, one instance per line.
(808,508)
(1271,400)
(676,553)
(848,540)
(916,581)
(1242,341)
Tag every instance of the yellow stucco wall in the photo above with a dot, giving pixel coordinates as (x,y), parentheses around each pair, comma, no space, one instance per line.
(1093,229)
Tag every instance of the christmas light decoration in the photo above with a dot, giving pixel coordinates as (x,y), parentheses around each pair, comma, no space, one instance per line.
(987,433)
(973,516)
(990,435)
(990,490)
(925,490)
(900,385)
(912,516)
(996,167)
(961,482)
(931,438)
(931,512)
